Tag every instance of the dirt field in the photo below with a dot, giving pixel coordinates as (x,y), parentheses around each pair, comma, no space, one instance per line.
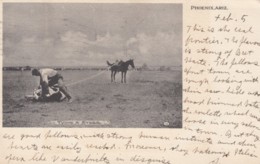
(149,99)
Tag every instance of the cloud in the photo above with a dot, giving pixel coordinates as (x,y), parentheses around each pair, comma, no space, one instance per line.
(109,41)
(89,34)
(80,41)
(29,39)
(162,48)
(74,37)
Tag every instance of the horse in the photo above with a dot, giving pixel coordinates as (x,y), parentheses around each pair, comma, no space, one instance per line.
(121,67)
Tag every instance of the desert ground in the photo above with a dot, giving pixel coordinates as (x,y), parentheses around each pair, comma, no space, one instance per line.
(147,100)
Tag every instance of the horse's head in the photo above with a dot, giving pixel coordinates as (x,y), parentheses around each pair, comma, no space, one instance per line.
(131,62)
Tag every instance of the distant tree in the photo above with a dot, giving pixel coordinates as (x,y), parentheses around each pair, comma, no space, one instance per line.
(145,67)
(27,68)
(162,68)
(168,69)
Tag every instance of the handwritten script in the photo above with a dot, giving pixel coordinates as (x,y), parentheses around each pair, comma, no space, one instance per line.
(221,108)
(221,74)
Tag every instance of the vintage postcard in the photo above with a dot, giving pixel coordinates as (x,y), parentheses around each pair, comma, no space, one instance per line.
(134,82)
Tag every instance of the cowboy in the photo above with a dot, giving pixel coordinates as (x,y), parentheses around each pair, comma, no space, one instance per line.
(48,78)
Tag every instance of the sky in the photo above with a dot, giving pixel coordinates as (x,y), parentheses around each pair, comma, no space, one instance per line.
(85,34)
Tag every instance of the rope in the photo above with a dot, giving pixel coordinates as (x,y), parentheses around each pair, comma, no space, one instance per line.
(88,78)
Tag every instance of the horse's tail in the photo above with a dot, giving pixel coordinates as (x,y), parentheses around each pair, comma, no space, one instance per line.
(109,64)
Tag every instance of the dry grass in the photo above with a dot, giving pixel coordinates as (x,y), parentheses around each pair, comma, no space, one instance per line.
(149,99)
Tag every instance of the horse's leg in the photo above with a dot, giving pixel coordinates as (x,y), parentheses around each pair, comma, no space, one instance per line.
(122,77)
(111,76)
(125,76)
(114,76)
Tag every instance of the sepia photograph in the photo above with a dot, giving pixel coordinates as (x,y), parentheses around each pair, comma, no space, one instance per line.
(95,65)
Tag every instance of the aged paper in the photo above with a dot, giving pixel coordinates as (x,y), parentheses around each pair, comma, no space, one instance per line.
(220,101)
